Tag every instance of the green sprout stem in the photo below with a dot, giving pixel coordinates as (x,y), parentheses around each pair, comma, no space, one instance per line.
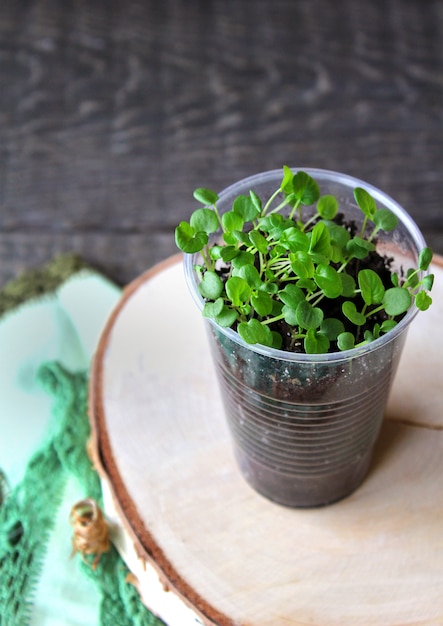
(372,236)
(294,209)
(216,211)
(266,208)
(272,320)
(209,263)
(310,221)
(363,227)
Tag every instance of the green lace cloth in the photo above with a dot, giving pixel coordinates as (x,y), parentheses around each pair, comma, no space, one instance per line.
(30,509)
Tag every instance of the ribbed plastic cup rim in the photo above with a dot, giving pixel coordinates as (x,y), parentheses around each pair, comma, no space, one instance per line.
(347,181)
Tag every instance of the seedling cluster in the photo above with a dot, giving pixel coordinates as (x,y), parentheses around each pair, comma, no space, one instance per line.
(272,273)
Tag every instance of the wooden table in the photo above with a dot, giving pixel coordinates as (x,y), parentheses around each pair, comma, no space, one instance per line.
(111,113)
(181,513)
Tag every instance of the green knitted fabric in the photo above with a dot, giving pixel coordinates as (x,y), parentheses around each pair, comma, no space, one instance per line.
(27,513)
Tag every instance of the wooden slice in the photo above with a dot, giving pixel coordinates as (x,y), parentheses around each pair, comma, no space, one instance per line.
(183,514)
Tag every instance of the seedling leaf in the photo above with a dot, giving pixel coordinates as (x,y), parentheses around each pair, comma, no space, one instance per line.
(286,183)
(212,309)
(365,201)
(346,341)
(306,283)
(232,221)
(258,241)
(246,207)
(215,252)
(205,196)
(302,265)
(388,325)
(305,188)
(250,274)
(397,300)
(350,311)
(348,285)
(327,207)
(290,315)
(242,258)
(332,328)
(320,240)
(237,290)
(277,340)
(188,240)
(316,343)
(309,316)
(256,201)
(371,285)
(294,239)
(329,281)
(230,239)
(228,253)
(204,220)
(338,234)
(253,331)
(425,259)
(423,301)
(412,277)
(385,219)
(226,318)
(291,295)
(211,285)
(428,282)
(262,303)
(359,247)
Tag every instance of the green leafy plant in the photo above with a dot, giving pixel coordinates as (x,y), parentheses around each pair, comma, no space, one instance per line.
(311,283)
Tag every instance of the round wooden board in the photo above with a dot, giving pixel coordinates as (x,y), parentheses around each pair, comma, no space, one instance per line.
(179,504)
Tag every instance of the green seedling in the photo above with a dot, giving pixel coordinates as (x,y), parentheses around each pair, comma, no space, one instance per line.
(265,266)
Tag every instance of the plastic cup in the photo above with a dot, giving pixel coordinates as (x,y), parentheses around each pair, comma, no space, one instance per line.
(304,426)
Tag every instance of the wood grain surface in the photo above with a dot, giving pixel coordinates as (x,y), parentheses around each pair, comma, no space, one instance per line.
(179,503)
(111,113)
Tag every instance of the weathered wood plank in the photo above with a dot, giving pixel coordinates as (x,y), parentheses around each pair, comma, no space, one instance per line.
(122,257)
(112,113)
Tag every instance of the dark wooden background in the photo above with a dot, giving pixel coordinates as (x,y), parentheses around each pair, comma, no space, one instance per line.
(113,111)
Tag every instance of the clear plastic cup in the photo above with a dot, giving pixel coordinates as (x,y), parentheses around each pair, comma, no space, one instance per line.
(304,426)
